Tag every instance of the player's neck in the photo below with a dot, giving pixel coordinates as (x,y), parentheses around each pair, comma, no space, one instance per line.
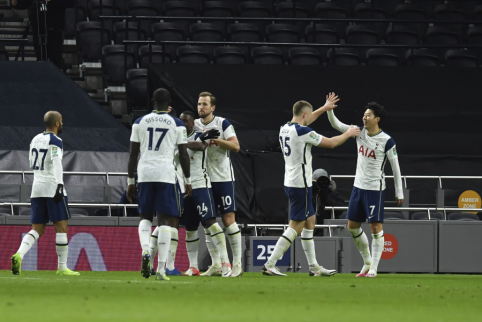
(298,120)
(374,131)
(207,119)
(54,131)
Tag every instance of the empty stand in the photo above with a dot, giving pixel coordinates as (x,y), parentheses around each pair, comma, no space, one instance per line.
(255,9)
(168,31)
(464,216)
(422,57)
(382,57)
(424,216)
(218,9)
(229,55)
(91,38)
(343,57)
(180,9)
(304,56)
(114,61)
(192,55)
(282,33)
(461,58)
(130,31)
(267,56)
(142,8)
(154,54)
(107,9)
(204,31)
(136,90)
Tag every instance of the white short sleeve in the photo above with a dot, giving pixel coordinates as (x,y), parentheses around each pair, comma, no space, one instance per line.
(135,134)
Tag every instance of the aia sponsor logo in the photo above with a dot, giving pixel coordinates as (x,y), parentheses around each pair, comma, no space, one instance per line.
(367,152)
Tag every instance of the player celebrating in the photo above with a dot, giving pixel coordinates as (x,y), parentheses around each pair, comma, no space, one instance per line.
(368,195)
(222,180)
(156,136)
(200,208)
(296,140)
(48,199)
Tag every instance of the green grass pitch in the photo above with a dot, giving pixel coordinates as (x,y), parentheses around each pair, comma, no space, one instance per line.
(126,296)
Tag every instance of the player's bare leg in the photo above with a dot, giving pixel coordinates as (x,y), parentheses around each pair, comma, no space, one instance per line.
(234,236)
(145,228)
(378,243)
(62,247)
(27,242)
(361,242)
(192,246)
(309,248)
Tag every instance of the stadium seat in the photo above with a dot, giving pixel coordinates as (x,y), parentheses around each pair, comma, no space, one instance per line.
(442,35)
(142,8)
(84,5)
(294,9)
(463,216)
(449,12)
(192,55)
(255,9)
(91,38)
(478,12)
(120,30)
(392,215)
(218,9)
(322,34)
(422,57)
(78,212)
(304,56)
(424,216)
(334,11)
(113,63)
(180,9)
(412,12)
(282,33)
(266,56)
(156,56)
(107,9)
(3,53)
(167,31)
(382,57)
(343,57)
(136,90)
(461,58)
(204,31)
(343,215)
(121,5)
(371,10)
(71,21)
(103,212)
(24,211)
(402,35)
(474,36)
(244,32)
(357,34)
(229,55)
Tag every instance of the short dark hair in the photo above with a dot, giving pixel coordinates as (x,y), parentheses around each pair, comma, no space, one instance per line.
(211,96)
(299,106)
(190,113)
(378,110)
(161,97)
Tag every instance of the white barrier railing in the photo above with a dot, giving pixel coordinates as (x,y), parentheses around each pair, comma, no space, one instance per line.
(415,177)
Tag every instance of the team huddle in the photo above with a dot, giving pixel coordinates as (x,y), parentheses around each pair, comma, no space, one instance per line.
(185,175)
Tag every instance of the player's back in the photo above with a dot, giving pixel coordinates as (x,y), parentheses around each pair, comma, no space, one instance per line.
(44,148)
(158,134)
(296,142)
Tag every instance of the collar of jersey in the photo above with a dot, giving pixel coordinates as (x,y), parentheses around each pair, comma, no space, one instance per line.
(291,123)
(375,133)
(48,132)
(159,112)
(209,121)
(191,133)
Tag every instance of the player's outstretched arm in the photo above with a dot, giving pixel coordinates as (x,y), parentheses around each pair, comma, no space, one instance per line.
(197,146)
(186,167)
(131,169)
(397,175)
(330,104)
(335,141)
(231,144)
(336,124)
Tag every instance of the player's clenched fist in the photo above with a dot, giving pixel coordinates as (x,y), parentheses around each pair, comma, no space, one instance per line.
(353,131)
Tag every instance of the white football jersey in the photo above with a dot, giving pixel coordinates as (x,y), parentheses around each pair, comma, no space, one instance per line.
(159,134)
(44,148)
(219,164)
(296,142)
(373,152)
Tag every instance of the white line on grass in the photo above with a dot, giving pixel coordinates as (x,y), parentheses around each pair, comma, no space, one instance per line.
(86,279)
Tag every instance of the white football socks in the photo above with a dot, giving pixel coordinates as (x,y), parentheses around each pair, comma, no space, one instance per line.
(282,245)
(219,239)
(309,246)
(62,246)
(361,242)
(378,243)
(153,244)
(234,235)
(213,250)
(27,242)
(192,246)
(164,240)
(172,249)
(145,228)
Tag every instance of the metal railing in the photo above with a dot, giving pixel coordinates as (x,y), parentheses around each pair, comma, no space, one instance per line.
(75,205)
(20,42)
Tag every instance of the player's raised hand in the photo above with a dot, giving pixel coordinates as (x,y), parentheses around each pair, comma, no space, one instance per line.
(188,191)
(353,131)
(331,100)
(131,192)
